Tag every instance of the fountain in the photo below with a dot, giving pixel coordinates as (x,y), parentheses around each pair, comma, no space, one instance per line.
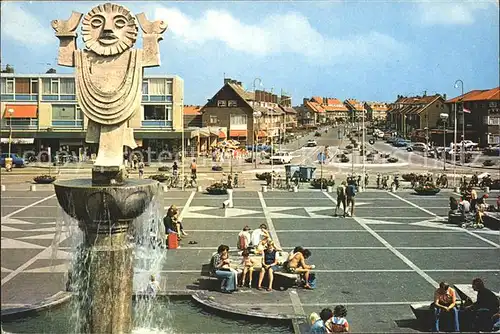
(108,74)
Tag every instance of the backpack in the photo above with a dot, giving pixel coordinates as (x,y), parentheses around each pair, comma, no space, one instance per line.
(351,191)
(312,280)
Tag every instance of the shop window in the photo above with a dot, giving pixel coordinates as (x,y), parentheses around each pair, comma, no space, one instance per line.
(67,86)
(157,113)
(63,112)
(22,86)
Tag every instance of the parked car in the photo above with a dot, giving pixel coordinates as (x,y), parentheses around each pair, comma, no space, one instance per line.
(401,143)
(311,143)
(281,158)
(17,161)
(492,150)
(421,147)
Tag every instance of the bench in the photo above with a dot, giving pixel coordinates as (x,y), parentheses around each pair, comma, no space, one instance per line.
(284,278)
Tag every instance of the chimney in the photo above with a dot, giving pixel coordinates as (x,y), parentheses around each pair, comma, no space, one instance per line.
(304,100)
(239,83)
(444,97)
(425,93)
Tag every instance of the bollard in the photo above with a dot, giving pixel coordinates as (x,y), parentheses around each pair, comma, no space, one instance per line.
(200,189)
(165,188)
(264,189)
(3,187)
(329,189)
(393,188)
(295,189)
(32,187)
(487,189)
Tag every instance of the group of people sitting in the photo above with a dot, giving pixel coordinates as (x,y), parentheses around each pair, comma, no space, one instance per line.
(483,315)
(259,252)
(329,322)
(469,203)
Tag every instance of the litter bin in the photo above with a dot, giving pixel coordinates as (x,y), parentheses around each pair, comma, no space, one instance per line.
(306,173)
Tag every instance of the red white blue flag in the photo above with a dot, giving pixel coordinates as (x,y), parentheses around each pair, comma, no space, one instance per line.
(465,110)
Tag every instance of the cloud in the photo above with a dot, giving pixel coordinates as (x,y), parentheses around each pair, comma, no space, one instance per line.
(23,27)
(453,12)
(277,34)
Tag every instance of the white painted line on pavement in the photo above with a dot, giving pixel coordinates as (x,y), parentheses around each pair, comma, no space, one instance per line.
(392,249)
(185,208)
(28,206)
(294,297)
(433,214)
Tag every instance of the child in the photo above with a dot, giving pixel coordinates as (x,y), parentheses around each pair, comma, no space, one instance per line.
(244,238)
(247,264)
(338,323)
(225,261)
(153,287)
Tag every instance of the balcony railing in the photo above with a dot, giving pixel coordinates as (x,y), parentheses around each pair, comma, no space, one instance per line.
(156,98)
(60,97)
(67,123)
(156,123)
(20,124)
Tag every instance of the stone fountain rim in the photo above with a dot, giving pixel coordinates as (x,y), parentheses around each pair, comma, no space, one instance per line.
(199,297)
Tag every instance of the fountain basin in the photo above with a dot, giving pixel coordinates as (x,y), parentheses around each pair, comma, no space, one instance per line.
(91,204)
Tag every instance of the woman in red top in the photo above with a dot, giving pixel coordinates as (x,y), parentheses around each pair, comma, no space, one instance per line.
(445,301)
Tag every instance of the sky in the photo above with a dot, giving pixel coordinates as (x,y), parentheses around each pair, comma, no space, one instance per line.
(368,50)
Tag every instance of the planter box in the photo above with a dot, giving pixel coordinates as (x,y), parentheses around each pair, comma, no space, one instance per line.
(217,191)
(427,192)
(44,180)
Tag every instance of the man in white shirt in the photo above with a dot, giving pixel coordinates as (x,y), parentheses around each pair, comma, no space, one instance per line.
(258,234)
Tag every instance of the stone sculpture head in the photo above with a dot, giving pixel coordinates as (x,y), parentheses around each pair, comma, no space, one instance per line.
(109,29)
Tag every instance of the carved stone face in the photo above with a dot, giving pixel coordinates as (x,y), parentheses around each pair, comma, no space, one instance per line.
(109,29)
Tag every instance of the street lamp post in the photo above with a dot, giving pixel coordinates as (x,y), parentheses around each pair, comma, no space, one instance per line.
(462,151)
(8,160)
(444,118)
(182,144)
(256,116)
(364,153)
(256,137)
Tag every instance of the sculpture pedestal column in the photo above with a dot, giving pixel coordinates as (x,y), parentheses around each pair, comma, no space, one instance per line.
(110,278)
(105,265)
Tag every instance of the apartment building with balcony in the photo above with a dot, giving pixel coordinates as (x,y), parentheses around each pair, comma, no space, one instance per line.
(482,124)
(41,111)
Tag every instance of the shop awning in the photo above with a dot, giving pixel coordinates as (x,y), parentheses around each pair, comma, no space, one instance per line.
(20,111)
(237,133)
(222,134)
(18,140)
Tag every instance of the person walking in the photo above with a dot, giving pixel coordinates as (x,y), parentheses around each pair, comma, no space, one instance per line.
(141,169)
(350,195)
(341,198)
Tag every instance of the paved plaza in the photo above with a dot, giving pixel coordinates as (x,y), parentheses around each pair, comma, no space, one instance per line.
(377,263)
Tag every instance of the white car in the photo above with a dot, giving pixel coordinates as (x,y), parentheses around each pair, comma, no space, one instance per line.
(468,144)
(281,158)
(422,147)
(311,143)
